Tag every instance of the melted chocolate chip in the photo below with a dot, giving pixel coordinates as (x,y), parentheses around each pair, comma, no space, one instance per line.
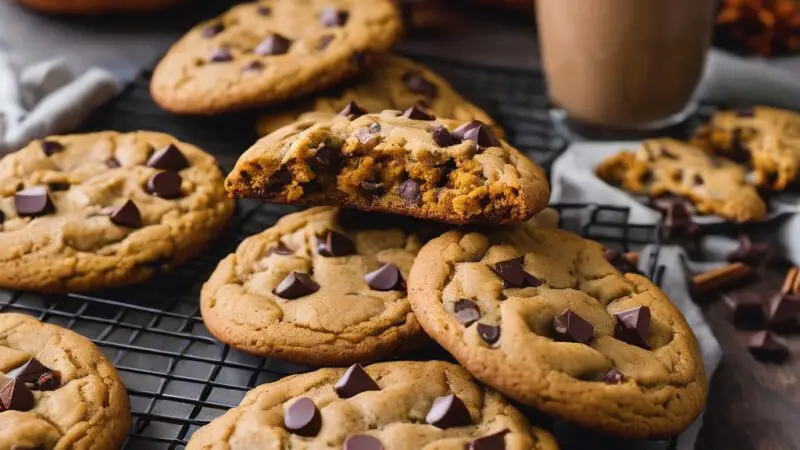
(355,381)
(572,328)
(303,418)
(352,110)
(51,147)
(386,278)
(221,54)
(466,311)
(213,30)
(496,441)
(633,326)
(418,84)
(489,333)
(33,202)
(417,113)
(447,412)
(409,190)
(442,136)
(335,244)
(274,44)
(14,395)
(332,17)
(127,216)
(165,184)
(168,158)
(296,285)
(327,157)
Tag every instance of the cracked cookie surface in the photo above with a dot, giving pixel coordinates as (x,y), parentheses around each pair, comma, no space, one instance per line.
(538,314)
(263,52)
(67,224)
(666,166)
(392,415)
(347,319)
(767,138)
(391,82)
(82,406)
(408,163)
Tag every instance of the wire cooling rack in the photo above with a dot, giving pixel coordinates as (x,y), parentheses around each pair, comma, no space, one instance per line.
(178,377)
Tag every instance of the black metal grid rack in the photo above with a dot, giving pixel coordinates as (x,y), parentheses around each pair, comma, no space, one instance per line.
(178,377)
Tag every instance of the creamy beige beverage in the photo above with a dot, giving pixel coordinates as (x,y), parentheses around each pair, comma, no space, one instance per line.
(623,63)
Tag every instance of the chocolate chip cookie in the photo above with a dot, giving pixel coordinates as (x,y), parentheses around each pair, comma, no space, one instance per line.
(58,391)
(96,6)
(666,166)
(263,52)
(91,211)
(404,162)
(767,138)
(321,287)
(392,82)
(541,315)
(387,406)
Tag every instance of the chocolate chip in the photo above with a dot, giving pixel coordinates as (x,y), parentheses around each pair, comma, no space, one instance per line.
(619,261)
(221,54)
(352,110)
(409,190)
(386,278)
(325,41)
(749,252)
(263,10)
(748,309)
(417,113)
(745,112)
(253,66)
(482,136)
(355,381)
(51,147)
(489,333)
(375,127)
(362,442)
(296,285)
(127,216)
(513,274)
(442,136)
(30,371)
(58,186)
(213,30)
(165,184)
(14,395)
(2,217)
(783,310)
(280,249)
(459,132)
(447,412)
(418,84)
(168,158)
(280,178)
(766,346)
(33,202)
(332,17)
(572,328)
(664,153)
(274,44)
(633,326)
(697,180)
(466,311)
(327,156)
(613,376)
(366,136)
(48,381)
(496,441)
(303,418)
(113,163)
(335,244)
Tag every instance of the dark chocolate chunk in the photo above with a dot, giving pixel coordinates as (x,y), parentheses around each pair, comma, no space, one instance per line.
(279,178)
(58,186)
(488,333)
(335,244)
(332,17)
(33,202)
(749,252)
(280,249)
(352,110)
(619,261)
(2,217)
(14,395)
(213,30)
(263,10)
(417,113)
(296,285)
(221,54)
(766,346)
(29,372)
(355,381)
(113,163)
(783,310)
(166,184)
(697,180)
(633,326)
(325,41)
(127,216)
(614,376)
(466,311)
(409,190)
(386,278)
(362,442)
(374,127)
(253,66)
(745,112)
(51,147)
(514,275)
(48,381)
(495,441)
(442,136)
(748,309)
(303,418)
(447,412)
(274,44)
(677,220)
(168,158)
(418,84)
(327,156)
(459,132)
(482,136)
(572,328)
